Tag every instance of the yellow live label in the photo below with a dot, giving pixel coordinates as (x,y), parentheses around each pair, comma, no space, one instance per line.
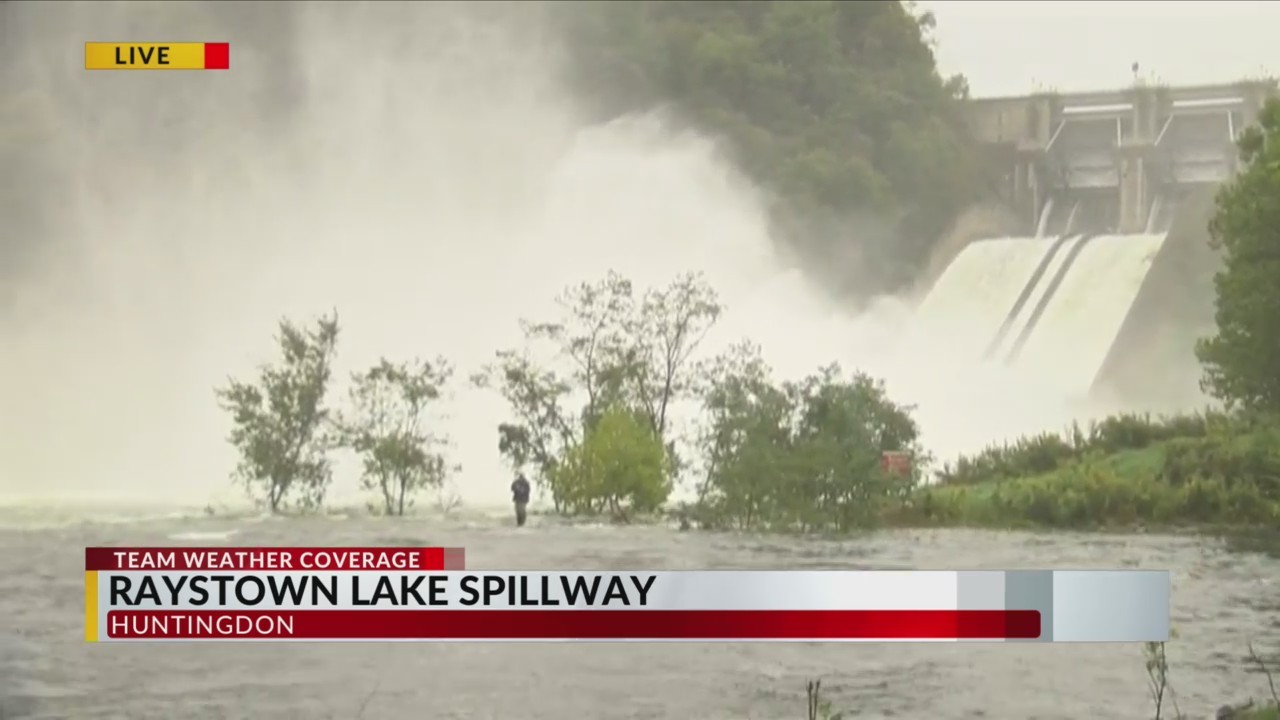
(143,56)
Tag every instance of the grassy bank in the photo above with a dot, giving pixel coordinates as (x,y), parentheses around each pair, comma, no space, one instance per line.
(1130,472)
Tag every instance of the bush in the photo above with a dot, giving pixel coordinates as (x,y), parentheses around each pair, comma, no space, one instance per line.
(619,468)
(798,456)
(1214,477)
(1047,452)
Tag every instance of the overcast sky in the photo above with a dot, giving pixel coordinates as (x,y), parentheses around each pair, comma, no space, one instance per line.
(1012,48)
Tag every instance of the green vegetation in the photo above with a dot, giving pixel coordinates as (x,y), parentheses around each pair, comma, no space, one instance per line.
(836,109)
(620,468)
(1240,360)
(797,456)
(1201,470)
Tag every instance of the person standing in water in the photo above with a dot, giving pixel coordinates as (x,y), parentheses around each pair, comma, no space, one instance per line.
(520,496)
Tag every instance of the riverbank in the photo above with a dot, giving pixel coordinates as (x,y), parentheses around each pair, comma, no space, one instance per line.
(1228,485)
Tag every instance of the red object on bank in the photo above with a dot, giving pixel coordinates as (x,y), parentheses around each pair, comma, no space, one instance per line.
(896,463)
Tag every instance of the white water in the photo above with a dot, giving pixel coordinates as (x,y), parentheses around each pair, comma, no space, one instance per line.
(1019,321)
(1083,319)
(967,402)
(434,192)
(971,299)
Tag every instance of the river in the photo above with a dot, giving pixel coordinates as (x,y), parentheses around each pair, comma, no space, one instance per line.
(1222,601)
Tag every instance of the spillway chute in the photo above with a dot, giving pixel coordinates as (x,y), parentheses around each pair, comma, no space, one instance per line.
(969,301)
(1023,314)
(1082,316)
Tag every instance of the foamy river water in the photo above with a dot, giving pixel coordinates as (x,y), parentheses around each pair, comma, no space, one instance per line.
(1222,601)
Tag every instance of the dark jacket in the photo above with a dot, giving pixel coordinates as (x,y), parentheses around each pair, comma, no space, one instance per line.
(520,490)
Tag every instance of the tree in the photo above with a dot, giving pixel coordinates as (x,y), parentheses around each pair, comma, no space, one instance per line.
(1240,361)
(279,422)
(611,349)
(801,455)
(619,468)
(387,426)
(745,441)
(842,429)
(672,322)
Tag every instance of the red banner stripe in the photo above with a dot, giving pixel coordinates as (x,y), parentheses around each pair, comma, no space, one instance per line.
(577,624)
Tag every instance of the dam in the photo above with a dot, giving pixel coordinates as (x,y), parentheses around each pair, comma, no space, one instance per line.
(1106,281)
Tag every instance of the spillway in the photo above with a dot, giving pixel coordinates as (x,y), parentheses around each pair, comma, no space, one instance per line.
(970,300)
(1083,317)
(1035,293)
(1051,308)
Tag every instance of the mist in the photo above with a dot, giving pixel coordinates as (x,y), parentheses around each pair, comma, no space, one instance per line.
(423,170)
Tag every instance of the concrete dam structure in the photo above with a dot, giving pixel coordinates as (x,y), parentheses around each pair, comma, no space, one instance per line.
(1108,281)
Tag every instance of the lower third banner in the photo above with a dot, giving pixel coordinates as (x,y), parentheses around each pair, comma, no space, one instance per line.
(191,603)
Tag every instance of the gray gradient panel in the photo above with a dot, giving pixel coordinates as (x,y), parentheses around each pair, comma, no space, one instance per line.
(1111,606)
(980,590)
(1032,590)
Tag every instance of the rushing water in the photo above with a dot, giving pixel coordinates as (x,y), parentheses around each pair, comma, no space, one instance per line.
(47,671)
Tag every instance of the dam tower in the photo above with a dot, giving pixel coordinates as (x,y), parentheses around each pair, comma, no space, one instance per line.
(1128,154)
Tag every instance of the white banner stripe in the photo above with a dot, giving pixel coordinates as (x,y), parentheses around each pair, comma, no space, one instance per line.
(724,590)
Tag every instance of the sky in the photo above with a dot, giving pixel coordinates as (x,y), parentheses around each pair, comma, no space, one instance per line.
(1012,48)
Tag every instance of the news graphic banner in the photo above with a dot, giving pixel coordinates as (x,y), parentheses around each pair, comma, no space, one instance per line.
(427,594)
(157,56)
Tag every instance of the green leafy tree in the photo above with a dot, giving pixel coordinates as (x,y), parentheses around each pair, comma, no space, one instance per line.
(745,443)
(1242,361)
(620,468)
(613,348)
(802,455)
(843,428)
(279,422)
(388,428)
